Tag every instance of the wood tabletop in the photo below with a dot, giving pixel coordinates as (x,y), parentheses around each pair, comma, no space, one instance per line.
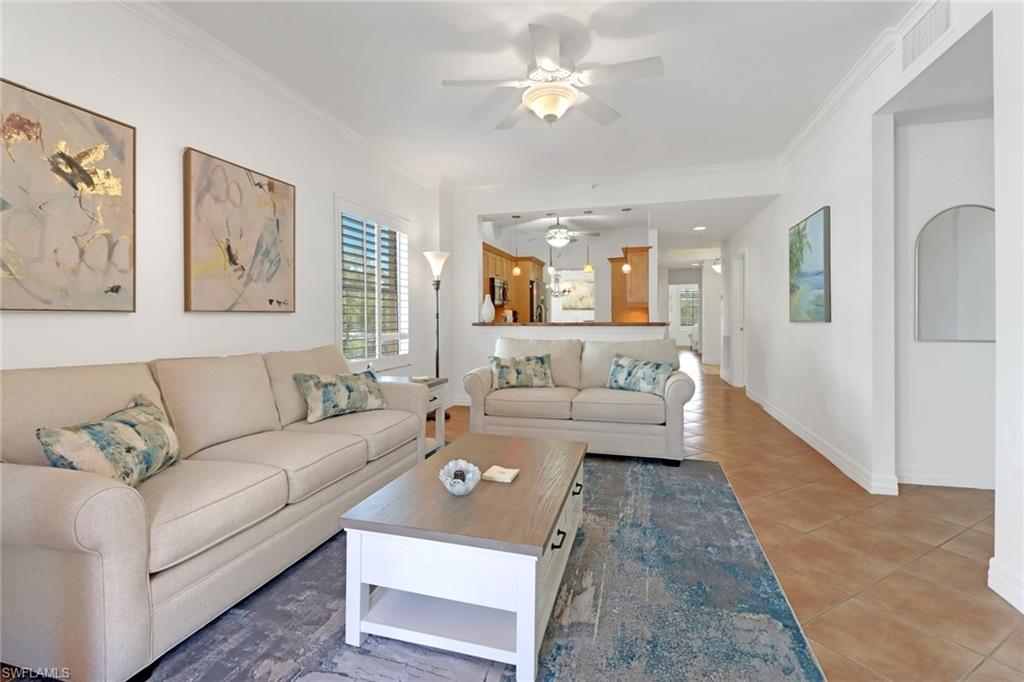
(514,517)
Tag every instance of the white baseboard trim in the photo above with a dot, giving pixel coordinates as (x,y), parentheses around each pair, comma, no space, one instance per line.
(950,479)
(874,484)
(459,399)
(1007,583)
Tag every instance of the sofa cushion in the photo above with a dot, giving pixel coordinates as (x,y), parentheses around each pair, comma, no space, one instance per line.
(613,405)
(545,403)
(332,395)
(311,461)
(644,376)
(129,445)
(565,356)
(53,396)
(521,372)
(213,400)
(597,357)
(194,505)
(282,366)
(383,430)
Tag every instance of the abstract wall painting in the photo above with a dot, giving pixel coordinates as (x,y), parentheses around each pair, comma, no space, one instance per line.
(239,238)
(578,294)
(810,277)
(67,206)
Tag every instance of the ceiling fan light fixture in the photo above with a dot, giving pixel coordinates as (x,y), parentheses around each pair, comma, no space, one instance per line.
(549,101)
(557,237)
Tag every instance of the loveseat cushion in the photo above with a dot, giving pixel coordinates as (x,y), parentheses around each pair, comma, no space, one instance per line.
(311,461)
(283,365)
(383,430)
(543,403)
(597,356)
(216,399)
(192,506)
(614,405)
(565,356)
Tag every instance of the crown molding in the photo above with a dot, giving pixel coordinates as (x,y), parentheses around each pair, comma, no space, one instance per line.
(205,44)
(880,50)
(769,165)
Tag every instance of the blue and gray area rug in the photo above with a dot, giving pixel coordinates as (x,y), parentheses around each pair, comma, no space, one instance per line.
(666,581)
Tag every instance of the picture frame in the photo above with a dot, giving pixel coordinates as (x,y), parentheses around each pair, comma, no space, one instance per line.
(810,269)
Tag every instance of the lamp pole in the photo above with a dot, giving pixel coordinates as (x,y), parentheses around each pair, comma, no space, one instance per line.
(437,327)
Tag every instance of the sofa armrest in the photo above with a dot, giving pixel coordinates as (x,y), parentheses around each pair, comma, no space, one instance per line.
(411,397)
(477,384)
(678,390)
(75,573)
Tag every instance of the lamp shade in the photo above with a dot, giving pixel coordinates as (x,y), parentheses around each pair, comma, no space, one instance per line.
(436,260)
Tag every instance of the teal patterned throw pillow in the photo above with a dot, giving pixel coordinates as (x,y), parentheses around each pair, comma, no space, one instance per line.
(331,395)
(528,371)
(630,374)
(130,445)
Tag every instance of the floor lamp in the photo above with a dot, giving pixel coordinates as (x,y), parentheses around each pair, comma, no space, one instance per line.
(437,260)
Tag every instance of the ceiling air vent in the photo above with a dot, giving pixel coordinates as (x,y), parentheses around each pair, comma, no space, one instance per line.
(925,32)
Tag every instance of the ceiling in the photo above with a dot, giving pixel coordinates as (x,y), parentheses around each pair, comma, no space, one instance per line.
(740,78)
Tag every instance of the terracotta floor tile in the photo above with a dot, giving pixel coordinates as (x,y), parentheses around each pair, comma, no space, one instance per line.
(1011,652)
(830,563)
(874,638)
(768,532)
(965,512)
(746,490)
(928,607)
(866,539)
(794,512)
(974,544)
(991,671)
(808,596)
(987,525)
(838,668)
(959,573)
(971,496)
(812,465)
(892,519)
(728,464)
(770,479)
(833,496)
(755,454)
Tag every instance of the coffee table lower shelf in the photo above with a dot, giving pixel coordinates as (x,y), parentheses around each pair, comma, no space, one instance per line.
(442,623)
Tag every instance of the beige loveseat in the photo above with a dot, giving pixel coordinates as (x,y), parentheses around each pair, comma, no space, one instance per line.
(580,406)
(99,578)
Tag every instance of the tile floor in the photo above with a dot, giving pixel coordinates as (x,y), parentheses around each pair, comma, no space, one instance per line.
(886,587)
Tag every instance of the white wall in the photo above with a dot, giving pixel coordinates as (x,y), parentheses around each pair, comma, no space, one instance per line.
(938,166)
(710,315)
(177,96)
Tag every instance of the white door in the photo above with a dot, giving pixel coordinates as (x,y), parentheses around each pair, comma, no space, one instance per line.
(738,329)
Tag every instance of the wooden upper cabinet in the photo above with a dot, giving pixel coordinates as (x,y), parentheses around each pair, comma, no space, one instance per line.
(637,280)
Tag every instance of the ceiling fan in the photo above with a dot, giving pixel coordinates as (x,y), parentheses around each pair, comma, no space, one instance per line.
(553,84)
(558,235)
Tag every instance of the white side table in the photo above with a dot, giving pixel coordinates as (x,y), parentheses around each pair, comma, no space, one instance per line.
(435,403)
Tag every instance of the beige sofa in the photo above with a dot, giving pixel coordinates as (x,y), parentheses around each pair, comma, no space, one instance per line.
(101,578)
(580,407)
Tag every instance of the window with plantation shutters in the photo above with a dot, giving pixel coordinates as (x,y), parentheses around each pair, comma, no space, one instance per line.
(374,290)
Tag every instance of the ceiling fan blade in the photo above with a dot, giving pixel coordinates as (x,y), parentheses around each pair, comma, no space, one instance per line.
(624,71)
(600,112)
(546,47)
(513,117)
(483,83)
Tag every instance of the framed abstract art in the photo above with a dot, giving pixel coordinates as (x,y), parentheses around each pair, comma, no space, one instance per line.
(810,274)
(67,206)
(239,238)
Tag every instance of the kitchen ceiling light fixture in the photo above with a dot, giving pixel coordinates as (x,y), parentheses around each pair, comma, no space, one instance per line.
(626,267)
(549,101)
(716,265)
(587,267)
(700,228)
(557,236)
(516,270)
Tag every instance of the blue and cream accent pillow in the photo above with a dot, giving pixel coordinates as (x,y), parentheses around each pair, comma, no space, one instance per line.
(630,374)
(528,371)
(129,445)
(331,395)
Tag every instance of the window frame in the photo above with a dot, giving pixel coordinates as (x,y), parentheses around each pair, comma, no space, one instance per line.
(689,291)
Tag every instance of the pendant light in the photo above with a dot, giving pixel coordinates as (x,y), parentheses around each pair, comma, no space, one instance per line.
(587,267)
(516,270)
(626,267)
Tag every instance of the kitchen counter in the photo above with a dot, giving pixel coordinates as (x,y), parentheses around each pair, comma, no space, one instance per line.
(570,324)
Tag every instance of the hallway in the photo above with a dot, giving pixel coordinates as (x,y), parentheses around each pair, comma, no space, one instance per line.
(885,587)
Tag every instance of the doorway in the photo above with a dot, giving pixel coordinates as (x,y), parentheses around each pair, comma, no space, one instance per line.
(737,326)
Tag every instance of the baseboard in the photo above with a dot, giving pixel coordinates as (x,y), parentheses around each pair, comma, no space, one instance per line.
(1007,583)
(874,484)
(954,480)
(460,399)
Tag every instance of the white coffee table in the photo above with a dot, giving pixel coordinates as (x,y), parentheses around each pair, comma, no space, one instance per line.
(476,574)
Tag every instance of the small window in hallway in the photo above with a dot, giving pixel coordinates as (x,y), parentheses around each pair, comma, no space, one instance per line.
(689,306)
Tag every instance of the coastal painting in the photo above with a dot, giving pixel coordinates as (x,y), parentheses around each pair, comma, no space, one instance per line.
(810,291)
(67,206)
(239,238)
